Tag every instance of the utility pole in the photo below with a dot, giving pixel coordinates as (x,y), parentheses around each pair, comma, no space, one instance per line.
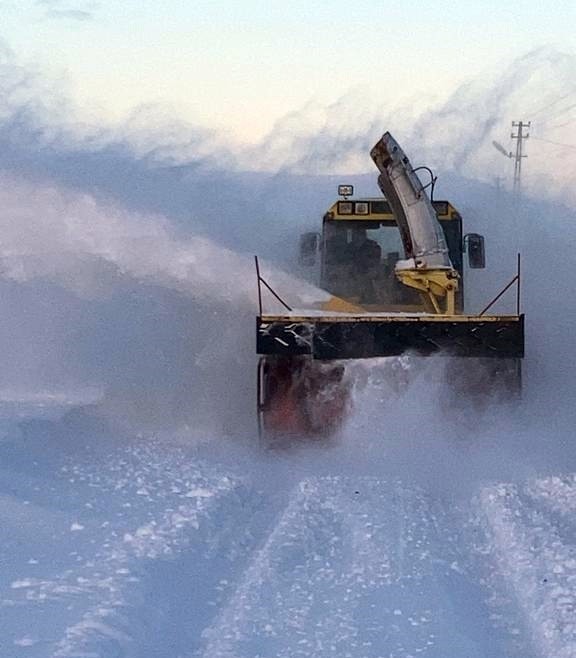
(519,156)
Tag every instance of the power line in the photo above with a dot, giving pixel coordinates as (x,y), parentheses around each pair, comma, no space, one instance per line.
(557,115)
(549,141)
(561,125)
(558,100)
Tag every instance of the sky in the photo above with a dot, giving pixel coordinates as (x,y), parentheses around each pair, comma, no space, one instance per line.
(239,67)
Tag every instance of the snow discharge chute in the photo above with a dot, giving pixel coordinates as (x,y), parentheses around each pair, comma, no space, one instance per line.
(422,235)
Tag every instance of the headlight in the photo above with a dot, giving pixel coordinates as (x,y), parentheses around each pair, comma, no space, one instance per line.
(345,190)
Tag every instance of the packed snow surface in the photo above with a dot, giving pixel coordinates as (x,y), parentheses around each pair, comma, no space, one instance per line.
(146,547)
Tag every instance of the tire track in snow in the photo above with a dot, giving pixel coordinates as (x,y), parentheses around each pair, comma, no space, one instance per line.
(106,621)
(226,630)
(555,495)
(155,506)
(355,568)
(538,567)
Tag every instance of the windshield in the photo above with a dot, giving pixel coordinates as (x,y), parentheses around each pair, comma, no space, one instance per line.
(359,260)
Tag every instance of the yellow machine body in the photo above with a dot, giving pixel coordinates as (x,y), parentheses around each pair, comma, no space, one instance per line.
(394,267)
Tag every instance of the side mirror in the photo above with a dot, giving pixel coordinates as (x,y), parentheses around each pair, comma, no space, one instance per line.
(309,246)
(476,252)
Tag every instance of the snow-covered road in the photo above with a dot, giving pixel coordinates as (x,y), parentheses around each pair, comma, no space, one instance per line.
(142,549)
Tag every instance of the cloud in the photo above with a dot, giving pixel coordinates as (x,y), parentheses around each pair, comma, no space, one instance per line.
(80,11)
(453,135)
(150,163)
(70,14)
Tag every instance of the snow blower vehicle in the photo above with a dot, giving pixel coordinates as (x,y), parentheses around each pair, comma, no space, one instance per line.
(394,269)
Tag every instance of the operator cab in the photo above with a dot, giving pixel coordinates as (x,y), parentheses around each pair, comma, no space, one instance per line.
(361,244)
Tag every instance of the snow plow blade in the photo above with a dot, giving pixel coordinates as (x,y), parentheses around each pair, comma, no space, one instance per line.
(365,336)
